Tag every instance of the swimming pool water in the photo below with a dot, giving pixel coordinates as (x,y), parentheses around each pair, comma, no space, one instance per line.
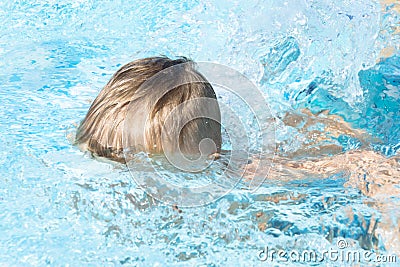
(58,206)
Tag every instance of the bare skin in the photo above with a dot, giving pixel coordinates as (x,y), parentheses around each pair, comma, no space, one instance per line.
(375,175)
(369,171)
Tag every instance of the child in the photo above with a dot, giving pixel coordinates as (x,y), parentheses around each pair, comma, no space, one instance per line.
(152,96)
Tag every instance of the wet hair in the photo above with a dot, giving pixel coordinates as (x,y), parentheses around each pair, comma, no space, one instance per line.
(160,93)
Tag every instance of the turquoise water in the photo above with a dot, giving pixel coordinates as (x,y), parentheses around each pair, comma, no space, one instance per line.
(58,206)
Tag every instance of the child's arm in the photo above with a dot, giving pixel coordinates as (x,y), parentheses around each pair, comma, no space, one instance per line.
(369,171)
(320,133)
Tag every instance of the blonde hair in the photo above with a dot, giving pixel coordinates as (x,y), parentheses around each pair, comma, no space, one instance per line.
(149,90)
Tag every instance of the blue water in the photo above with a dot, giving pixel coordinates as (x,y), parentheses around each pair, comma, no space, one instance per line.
(58,206)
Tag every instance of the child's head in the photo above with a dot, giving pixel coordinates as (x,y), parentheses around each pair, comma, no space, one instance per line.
(147,100)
